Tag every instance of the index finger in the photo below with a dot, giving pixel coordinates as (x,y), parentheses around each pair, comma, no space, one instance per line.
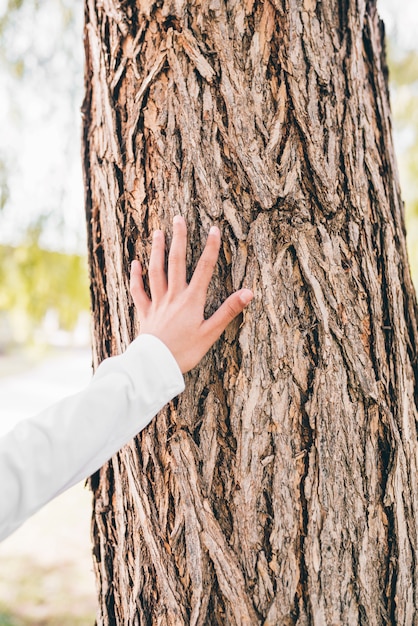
(207,263)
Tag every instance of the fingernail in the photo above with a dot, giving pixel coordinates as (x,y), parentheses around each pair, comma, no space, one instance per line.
(246,296)
(214,230)
(178,219)
(156,234)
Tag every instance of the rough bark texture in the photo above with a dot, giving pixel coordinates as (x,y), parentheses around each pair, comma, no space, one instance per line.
(281,487)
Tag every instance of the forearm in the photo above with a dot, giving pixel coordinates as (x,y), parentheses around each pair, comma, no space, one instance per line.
(49,453)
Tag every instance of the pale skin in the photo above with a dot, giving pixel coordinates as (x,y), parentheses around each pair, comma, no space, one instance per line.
(175,311)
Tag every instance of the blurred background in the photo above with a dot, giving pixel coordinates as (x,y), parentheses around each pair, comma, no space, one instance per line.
(45,568)
(46,574)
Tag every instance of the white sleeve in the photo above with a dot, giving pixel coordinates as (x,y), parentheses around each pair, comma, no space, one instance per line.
(44,455)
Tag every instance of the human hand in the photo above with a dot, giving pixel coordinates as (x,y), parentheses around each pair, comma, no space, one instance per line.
(175,311)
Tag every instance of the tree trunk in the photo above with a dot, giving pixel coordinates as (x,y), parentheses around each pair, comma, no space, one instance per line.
(281,487)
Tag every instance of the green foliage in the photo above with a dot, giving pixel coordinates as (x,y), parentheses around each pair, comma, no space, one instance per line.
(403,74)
(4,187)
(11,8)
(403,67)
(34,282)
(404,91)
(9,620)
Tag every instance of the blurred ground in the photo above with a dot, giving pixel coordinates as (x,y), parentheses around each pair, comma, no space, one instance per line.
(46,574)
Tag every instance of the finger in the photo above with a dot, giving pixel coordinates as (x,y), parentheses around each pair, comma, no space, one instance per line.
(156,268)
(233,306)
(177,256)
(207,263)
(137,290)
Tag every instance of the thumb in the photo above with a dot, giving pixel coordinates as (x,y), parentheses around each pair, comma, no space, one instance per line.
(228,311)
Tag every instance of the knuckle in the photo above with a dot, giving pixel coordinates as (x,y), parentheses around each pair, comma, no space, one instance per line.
(134,285)
(208,264)
(231,309)
(175,257)
(154,269)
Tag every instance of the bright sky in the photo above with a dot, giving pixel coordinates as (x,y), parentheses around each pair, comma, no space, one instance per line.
(401,21)
(40,128)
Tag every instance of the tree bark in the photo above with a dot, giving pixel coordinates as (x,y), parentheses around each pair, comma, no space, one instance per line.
(281,487)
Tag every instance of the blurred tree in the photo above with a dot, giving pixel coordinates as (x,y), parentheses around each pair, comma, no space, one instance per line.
(280,487)
(35,281)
